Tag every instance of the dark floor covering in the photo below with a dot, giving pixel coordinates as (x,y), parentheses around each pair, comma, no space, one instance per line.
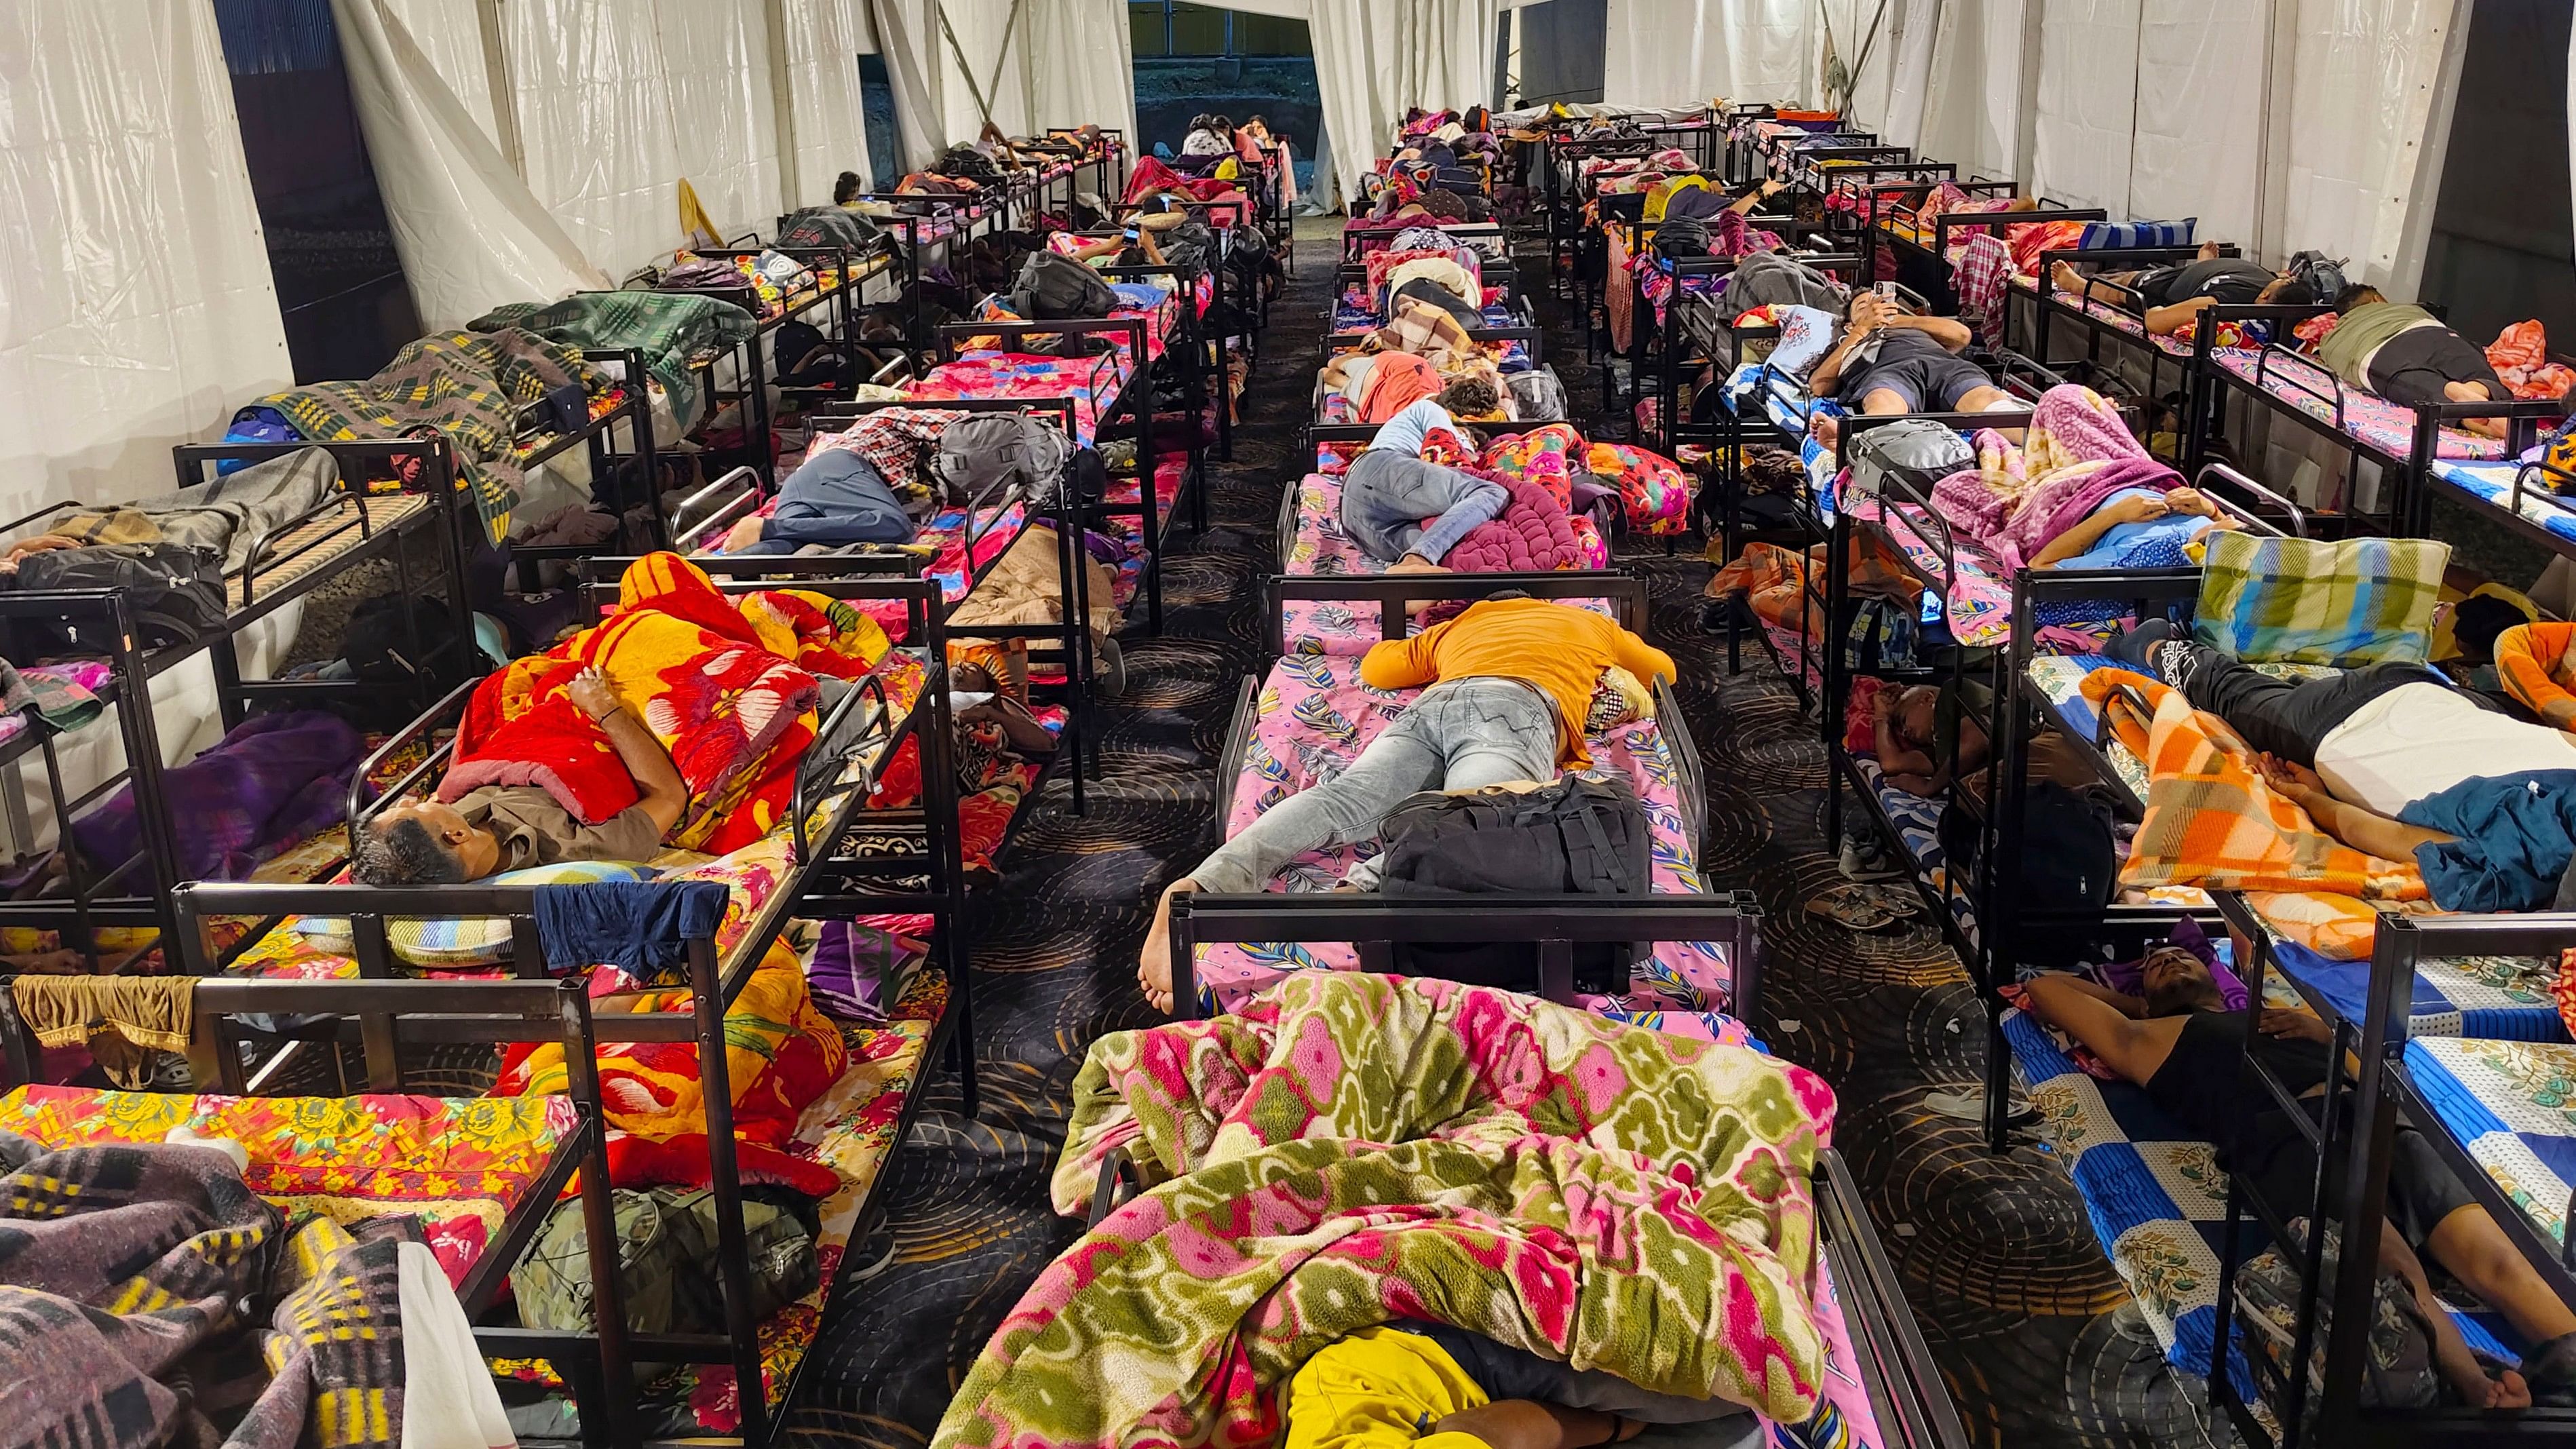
(2019,1304)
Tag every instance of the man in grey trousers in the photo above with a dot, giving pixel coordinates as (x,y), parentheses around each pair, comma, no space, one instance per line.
(1405,512)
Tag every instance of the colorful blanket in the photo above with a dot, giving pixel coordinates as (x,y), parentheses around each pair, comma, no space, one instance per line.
(272,781)
(2536,664)
(671,329)
(124,1265)
(728,689)
(464,386)
(2075,454)
(2212,822)
(1353,1149)
(780,1055)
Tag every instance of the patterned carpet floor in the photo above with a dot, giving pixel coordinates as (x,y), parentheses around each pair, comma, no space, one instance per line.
(2023,1312)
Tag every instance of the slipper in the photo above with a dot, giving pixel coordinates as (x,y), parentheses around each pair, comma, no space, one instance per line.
(1865,907)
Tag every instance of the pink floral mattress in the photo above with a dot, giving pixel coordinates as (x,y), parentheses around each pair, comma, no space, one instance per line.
(1315,717)
(2368,418)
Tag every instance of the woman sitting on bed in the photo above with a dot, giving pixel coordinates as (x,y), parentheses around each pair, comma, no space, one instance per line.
(2187,1050)
(512,827)
(2409,356)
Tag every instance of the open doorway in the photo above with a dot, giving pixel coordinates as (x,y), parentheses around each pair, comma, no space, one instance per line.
(1205,59)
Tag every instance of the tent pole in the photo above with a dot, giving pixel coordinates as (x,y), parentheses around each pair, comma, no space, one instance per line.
(782,105)
(496,76)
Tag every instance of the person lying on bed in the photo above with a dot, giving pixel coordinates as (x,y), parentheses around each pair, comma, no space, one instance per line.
(1511,682)
(2393,761)
(2137,528)
(1891,361)
(512,827)
(1402,509)
(2409,356)
(1411,1383)
(2175,295)
(2187,1050)
(1926,738)
(834,498)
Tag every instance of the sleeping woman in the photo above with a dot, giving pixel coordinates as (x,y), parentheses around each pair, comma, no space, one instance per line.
(2137,528)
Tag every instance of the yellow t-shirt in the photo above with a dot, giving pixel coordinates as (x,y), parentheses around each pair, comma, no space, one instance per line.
(1557,647)
(1380,1388)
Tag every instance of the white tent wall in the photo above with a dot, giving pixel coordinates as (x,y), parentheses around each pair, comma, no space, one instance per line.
(1085,73)
(2362,100)
(2196,150)
(823,42)
(721,112)
(1687,52)
(2087,101)
(139,309)
(1374,59)
(1964,57)
(595,124)
(471,234)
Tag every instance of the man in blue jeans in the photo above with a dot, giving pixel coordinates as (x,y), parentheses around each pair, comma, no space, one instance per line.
(1405,512)
(836,498)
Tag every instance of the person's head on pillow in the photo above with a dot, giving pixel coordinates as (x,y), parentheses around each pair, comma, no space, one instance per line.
(426,843)
(1470,397)
(2179,983)
(2478,620)
(2287,290)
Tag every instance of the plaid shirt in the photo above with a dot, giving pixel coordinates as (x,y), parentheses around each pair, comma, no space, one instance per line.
(893,440)
(1984,270)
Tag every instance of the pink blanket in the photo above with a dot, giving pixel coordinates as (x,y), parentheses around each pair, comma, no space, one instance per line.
(2076,452)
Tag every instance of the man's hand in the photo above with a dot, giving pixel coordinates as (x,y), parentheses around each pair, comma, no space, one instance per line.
(591,692)
(1882,705)
(2296,1025)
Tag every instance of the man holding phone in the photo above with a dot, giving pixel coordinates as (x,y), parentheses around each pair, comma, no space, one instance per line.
(1891,361)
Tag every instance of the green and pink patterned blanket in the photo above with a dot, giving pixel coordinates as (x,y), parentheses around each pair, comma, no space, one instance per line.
(1349,1148)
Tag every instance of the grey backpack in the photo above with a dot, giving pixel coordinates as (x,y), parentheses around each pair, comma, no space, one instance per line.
(983,453)
(1055,289)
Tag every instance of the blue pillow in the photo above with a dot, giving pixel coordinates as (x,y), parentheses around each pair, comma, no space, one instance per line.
(2100,235)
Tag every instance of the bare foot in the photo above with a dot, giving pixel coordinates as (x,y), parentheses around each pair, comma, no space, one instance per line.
(1414,563)
(2209,251)
(743,535)
(1825,430)
(1154,960)
(2506,1391)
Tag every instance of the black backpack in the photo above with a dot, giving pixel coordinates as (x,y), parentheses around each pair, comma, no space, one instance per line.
(1576,836)
(1681,236)
(1053,288)
(173,595)
(2070,868)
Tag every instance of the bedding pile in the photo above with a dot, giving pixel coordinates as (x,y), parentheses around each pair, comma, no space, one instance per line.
(1353,1149)
(671,329)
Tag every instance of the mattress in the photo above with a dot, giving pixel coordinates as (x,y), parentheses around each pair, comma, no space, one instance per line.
(310,548)
(2506,1102)
(1315,717)
(2368,419)
(459,1165)
(2492,484)
(2489,998)
(1918,825)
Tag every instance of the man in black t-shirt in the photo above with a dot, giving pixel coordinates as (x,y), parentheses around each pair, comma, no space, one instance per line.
(2175,295)
(1891,361)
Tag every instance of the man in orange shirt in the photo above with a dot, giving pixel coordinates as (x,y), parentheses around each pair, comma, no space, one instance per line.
(1511,682)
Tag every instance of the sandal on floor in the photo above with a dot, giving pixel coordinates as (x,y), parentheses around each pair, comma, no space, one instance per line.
(1864,907)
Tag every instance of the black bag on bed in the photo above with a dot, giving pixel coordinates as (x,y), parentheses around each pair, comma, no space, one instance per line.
(2070,867)
(1054,289)
(173,595)
(1575,836)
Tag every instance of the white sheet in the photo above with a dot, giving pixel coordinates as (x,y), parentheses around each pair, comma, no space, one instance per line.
(1690,52)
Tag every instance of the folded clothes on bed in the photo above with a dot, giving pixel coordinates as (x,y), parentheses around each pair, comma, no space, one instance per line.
(1351,1149)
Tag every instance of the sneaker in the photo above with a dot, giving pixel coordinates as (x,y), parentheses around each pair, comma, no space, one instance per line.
(1108,670)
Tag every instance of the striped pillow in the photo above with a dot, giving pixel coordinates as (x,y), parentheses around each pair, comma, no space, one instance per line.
(459,941)
(2110,234)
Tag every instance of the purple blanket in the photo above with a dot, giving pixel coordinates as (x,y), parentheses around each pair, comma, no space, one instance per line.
(270,783)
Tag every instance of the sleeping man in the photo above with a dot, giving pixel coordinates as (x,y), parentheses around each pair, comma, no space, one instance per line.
(1511,683)
(2175,295)
(1892,361)
(2187,1050)
(2393,761)
(511,827)
(2407,355)
(1405,511)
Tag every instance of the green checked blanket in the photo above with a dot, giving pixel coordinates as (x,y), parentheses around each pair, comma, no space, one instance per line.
(2304,601)
(1350,1149)
(466,386)
(669,328)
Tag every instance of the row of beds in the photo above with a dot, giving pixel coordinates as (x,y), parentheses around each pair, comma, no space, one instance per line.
(1308,716)
(284,1009)
(2450,1018)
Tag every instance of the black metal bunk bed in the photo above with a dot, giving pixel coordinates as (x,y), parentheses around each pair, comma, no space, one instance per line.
(827,878)
(2405,479)
(1692,330)
(610,471)
(2377,1075)
(1926,266)
(348,527)
(754,364)
(2033,315)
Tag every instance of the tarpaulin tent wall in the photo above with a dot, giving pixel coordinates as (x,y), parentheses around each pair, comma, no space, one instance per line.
(2282,124)
(1030,64)
(138,307)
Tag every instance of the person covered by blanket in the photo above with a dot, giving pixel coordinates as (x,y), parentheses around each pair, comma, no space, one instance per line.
(2175,295)
(2395,762)
(834,498)
(2409,356)
(2183,1045)
(1511,683)
(1892,361)
(1432,1386)
(1406,511)
(511,827)
(2138,528)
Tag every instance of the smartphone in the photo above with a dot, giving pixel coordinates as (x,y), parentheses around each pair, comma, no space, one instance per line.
(1886,291)
(1131,233)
